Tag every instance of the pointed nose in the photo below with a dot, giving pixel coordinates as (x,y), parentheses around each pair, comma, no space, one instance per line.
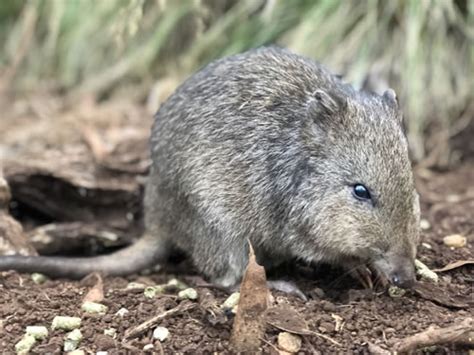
(403,281)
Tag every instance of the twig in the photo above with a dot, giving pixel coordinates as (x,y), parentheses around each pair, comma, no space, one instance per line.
(95,143)
(133,332)
(325,337)
(268,343)
(130,347)
(376,350)
(162,352)
(460,333)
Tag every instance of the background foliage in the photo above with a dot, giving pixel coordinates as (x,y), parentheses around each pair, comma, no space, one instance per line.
(422,48)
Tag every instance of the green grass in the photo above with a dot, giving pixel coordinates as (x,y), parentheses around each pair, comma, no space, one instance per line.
(422,48)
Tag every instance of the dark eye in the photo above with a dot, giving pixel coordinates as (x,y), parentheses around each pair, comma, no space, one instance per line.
(361,192)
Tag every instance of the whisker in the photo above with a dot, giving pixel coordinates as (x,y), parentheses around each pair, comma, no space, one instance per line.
(348,272)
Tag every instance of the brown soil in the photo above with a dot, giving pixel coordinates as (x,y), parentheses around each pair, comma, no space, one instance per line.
(447,204)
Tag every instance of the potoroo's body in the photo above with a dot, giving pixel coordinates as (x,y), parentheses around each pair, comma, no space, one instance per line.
(270,147)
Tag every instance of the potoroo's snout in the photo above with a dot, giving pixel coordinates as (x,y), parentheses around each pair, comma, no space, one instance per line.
(399,270)
(403,277)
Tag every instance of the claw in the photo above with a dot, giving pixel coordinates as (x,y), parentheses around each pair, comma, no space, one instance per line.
(287,287)
(380,279)
(363,275)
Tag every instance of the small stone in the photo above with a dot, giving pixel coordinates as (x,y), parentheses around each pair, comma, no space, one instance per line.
(66,323)
(289,342)
(425,273)
(330,327)
(317,293)
(121,312)
(72,340)
(111,332)
(104,342)
(77,352)
(455,241)
(425,224)
(161,333)
(427,246)
(25,344)
(148,347)
(329,307)
(94,308)
(453,198)
(39,278)
(231,301)
(38,331)
(188,294)
(396,292)
(339,322)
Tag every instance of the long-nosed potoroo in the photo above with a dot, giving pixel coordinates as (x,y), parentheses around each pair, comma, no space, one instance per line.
(269,146)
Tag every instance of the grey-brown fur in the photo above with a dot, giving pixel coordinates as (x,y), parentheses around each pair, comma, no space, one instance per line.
(267,145)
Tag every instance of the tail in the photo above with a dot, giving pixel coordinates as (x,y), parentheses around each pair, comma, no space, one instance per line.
(142,254)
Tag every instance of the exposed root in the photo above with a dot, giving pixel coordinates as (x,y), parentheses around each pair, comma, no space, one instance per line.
(462,333)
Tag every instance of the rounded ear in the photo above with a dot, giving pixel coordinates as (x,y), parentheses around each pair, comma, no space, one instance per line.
(391,98)
(324,104)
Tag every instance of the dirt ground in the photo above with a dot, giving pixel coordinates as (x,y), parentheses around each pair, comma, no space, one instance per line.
(368,316)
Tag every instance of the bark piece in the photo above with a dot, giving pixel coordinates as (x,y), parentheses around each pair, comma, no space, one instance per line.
(249,323)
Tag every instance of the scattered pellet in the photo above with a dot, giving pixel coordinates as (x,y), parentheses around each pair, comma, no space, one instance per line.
(121,312)
(25,344)
(231,301)
(135,285)
(66,323)
(72,340)
(176,283)
(39,332)
(111,332)
(94,308)
(152,291)
(39,278)
(188,294)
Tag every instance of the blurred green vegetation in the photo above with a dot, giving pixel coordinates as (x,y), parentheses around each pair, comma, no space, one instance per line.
(422,48)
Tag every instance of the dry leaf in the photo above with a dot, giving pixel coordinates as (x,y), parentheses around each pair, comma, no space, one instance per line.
(455,265)
(249,323)
(96,293)
(428,292)
(94,141)
(288,320)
